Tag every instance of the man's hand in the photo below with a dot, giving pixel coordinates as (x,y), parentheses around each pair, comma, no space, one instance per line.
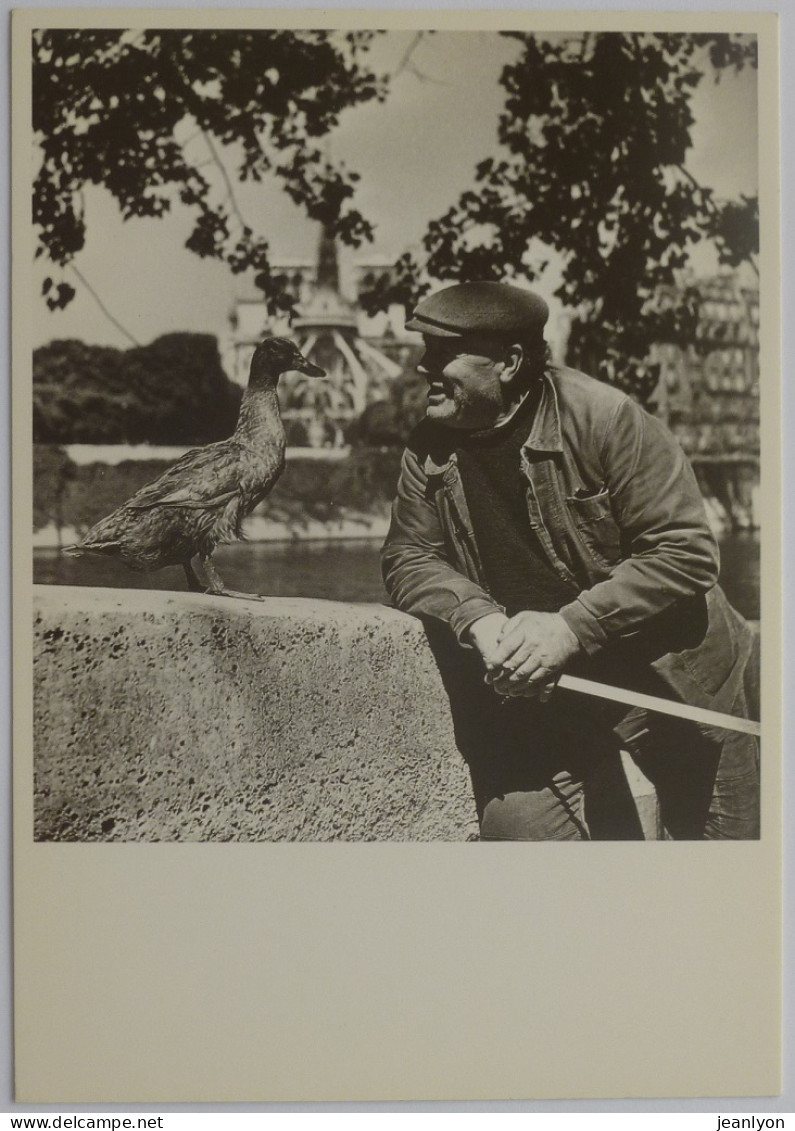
(533,649)
(485,635)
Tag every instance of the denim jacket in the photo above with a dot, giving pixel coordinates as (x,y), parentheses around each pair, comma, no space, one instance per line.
(615,506)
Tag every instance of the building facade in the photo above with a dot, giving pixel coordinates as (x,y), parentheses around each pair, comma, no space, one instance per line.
(708,395)
(361,355)
(707,391)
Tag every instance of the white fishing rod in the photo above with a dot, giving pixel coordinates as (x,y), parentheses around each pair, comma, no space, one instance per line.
(653,703)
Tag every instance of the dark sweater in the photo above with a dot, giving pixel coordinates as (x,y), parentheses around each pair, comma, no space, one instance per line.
(518,573)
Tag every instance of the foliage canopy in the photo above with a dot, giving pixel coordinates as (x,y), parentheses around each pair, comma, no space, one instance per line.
(593,144)
(159,116)
(173,391)
(594,138)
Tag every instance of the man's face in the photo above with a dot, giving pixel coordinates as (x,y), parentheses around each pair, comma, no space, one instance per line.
(465,389)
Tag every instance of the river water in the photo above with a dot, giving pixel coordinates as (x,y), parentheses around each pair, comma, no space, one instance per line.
(336,571)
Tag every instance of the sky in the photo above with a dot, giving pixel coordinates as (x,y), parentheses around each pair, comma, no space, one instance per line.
(415,153)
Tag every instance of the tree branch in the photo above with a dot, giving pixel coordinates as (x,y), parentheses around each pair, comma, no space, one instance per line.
(130,337)
(711,207)
(405,63)
(412,47)
(229,187)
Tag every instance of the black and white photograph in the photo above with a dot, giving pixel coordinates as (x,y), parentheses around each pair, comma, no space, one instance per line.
(404,476)
(454,326)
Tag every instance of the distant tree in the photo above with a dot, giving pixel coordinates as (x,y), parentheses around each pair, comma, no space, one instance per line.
(377,426)
(79,394)
(52,472)
(173,391)
(183,393)
(387,423)
(594,139)
(165,116)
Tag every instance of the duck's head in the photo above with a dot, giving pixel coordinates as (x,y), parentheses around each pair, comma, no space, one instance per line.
(275,356)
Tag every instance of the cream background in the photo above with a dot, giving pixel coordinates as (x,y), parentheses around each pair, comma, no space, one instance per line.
(159,973)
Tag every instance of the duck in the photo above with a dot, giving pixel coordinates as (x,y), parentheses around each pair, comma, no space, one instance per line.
(202,499)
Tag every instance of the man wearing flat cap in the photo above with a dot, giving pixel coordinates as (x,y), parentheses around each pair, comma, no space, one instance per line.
(544,523)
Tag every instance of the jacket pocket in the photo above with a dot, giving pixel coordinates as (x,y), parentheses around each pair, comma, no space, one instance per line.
(593,520)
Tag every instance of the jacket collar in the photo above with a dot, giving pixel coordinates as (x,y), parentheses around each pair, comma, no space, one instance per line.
(545,433)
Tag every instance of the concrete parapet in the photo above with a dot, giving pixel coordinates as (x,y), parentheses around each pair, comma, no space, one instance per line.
(176,716)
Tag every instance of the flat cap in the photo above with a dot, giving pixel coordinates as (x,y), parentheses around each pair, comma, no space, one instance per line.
(494,309)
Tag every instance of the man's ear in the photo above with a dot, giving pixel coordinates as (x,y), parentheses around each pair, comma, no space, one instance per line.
(514,357)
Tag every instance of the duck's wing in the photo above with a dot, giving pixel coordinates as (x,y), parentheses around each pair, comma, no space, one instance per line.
(204,477)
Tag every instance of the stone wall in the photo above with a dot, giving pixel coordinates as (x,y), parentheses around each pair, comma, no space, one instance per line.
(177,716)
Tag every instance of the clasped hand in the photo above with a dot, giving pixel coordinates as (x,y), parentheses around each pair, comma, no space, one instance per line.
(525,653)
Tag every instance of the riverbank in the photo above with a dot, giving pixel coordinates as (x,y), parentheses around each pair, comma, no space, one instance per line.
(113,454)
(322,494)
(257,528)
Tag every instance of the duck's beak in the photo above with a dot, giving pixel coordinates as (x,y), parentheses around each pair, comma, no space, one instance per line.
(304,366)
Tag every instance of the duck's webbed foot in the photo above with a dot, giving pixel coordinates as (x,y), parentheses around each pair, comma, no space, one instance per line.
(217,587)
